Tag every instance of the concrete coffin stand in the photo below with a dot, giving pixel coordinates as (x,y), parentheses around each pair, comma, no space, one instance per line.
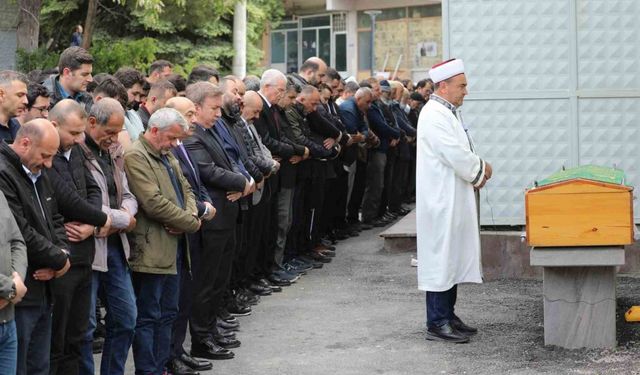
(579,292)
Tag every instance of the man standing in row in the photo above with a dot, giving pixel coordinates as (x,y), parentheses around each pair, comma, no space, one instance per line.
(167,211)
(31,198)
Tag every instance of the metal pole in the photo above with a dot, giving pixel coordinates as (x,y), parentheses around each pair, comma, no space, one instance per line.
(240,39)
(373,14)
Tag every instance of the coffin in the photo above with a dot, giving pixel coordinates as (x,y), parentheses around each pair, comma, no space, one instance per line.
(583,206)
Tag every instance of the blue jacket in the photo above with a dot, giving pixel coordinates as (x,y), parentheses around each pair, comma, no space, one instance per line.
(379,125)
(352,118)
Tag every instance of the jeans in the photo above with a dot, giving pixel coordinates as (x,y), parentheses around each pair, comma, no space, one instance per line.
(120,303)
(157,299)
(33,325)
(441,306)
(8,347)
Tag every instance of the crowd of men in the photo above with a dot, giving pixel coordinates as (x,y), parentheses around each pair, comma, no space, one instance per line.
(177,203)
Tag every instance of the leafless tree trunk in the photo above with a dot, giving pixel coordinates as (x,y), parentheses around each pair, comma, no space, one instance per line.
(28,24)
(92,10)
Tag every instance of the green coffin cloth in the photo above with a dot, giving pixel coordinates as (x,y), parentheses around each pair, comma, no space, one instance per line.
(587,172)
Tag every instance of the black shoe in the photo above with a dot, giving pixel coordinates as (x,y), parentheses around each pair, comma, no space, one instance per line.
(226,333)
(227,325)
(318,257)
(237,310)
(196,364)
(224,314)
(259,289)
(446,333)
(177,367)
(210,350)
(459,325)
(226,342)
(377,223)
(277,281)
(327,244)
(314,263)
(275,288)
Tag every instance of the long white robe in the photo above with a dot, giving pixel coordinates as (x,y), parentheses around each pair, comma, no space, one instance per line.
(446,212)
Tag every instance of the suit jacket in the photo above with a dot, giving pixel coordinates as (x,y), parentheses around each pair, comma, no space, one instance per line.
(271,135)
(219,176)
(191,172)
(44,235)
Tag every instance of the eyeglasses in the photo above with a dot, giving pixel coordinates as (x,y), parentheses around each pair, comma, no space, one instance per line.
(42,109)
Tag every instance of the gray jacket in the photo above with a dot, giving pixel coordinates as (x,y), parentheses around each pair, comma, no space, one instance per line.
(13,256)
(119,218)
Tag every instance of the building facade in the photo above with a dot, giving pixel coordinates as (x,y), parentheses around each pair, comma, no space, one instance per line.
(407,39)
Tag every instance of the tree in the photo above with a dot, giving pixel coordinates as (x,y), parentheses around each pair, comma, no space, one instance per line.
(28,30)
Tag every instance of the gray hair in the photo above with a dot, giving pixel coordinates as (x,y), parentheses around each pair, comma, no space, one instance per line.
(271,77)
(363,91)
(103,109)
(198,92)
(351,86)
(251,83)
(164,118)
(8,76)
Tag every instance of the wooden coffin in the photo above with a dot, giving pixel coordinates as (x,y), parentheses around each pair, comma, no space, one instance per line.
(573,210)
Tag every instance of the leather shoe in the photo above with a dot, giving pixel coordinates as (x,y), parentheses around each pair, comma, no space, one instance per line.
(226,342)
(226,333)
(459,325)
(227,325)
(210,350)
(177,367)
(446,333)
(260,289)
(196,364)
(277,281)
(365,226)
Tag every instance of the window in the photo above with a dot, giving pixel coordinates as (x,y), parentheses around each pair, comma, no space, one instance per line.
(292,51)
(364,50)
(316,21)
(277,47)
(364,20)
(425,11)
(341,52)
(309,44)
(324,45)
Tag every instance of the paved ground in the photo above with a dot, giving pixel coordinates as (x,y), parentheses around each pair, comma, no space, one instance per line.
(362,314)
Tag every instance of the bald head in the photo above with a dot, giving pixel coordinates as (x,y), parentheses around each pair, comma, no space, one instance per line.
(186,108)
(252,106)
(313,70)
(70,119)
(309,97)
(36,143)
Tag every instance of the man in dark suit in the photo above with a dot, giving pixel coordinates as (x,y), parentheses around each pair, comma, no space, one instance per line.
(226,184)
(272,88)
(181,363)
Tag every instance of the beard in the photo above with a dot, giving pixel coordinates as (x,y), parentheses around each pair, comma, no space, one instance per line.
(135,105)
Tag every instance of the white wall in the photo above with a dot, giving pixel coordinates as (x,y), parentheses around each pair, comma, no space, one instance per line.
(552,83)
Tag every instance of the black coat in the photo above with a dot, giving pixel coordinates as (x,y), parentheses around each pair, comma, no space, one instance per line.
(44,235)
(271,135)
(193,176)
(232,126)
(84,195)
(218,174)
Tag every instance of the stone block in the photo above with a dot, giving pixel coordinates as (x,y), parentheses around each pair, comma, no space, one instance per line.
(577,256)
(580,307)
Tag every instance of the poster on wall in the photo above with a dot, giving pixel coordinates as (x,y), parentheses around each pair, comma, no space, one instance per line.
(425,49)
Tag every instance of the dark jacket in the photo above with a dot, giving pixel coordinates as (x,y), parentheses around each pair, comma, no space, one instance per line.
(56,94)
(218,174)
(380,127)
(191,172)
(144,115)
(271,136)
(8,132)
(231,123)
(44,235)
(87,195)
